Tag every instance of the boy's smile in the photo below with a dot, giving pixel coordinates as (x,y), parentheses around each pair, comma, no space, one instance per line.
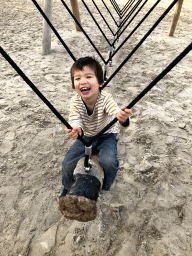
(85,89)
(86,84)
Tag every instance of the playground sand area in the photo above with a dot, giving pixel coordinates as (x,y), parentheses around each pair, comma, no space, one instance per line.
(149,208)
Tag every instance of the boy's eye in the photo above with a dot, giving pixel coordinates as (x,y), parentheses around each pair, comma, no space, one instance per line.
(77,78)
(89,76)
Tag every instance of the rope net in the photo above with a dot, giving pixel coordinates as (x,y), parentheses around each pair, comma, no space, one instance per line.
(121,13)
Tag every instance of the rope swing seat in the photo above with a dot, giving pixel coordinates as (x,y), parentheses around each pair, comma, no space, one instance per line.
(80,200)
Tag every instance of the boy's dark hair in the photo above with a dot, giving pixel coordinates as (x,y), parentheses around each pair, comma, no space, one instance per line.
(91,63)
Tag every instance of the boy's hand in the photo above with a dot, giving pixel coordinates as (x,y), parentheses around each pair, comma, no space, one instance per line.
(123,115)
(73,134)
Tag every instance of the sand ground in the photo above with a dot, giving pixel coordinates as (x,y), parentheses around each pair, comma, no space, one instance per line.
(149,208)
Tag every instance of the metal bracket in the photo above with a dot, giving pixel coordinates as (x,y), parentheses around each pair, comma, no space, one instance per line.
(111,52)
(106,68)
(88,151)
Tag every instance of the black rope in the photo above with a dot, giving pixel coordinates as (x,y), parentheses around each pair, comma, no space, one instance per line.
(147,89)
(103,17)
(127,8)
(54,30)
(69,11)
(129,14)
(140,43)
(161,75)
(110,13)
(142,94)
(39,94)
(122,22)
(96,22)
(116,7)
(25,78)
(122,31)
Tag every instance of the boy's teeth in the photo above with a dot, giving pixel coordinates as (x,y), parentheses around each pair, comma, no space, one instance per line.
(84,88)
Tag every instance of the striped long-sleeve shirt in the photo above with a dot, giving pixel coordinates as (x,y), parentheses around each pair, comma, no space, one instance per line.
(104,111)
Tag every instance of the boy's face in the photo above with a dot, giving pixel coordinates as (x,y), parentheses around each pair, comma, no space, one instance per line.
(86,84)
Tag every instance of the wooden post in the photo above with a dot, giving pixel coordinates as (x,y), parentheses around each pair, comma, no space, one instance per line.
(176,17)
(46,44)
(75,10)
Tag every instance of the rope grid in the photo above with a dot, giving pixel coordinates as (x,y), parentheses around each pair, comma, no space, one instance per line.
(119,24)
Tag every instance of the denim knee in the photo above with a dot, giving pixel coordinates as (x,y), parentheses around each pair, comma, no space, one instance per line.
(109,163)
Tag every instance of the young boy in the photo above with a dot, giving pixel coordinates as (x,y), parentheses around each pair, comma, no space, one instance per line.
(90,111)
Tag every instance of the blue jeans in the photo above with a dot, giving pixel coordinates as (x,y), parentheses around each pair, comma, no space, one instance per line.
(106,145)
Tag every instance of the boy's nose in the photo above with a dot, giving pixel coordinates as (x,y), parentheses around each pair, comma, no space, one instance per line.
(83,81)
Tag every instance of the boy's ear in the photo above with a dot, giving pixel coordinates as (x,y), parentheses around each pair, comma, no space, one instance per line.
(101,85)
